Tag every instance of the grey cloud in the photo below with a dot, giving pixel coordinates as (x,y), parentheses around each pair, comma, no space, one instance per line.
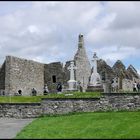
(127,16)
(49,31)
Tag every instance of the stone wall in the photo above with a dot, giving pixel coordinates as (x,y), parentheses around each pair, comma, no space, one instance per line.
(64,106)
(23,74)
(67,73)
(127,85)
(17,73)
(107,102)
(2,78)
(55,70)
(20,110)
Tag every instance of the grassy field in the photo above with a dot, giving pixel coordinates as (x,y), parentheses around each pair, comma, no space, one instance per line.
(115,125)
(31,99)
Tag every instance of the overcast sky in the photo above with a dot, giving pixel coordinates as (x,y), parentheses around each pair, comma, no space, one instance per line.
(48,31)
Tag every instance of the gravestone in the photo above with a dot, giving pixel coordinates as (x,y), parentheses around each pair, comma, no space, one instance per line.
(115,84)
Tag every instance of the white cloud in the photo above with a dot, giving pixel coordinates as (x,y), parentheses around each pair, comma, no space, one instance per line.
(42,27)
(33,29)
(127,14)
(113,53)
(48,31)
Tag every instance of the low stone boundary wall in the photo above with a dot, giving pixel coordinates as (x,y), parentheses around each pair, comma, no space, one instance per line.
(62,106)
(20,110)
(107,102)
(120,101)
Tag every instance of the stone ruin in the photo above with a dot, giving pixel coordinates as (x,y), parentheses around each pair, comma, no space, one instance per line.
(82,63)
(17,73)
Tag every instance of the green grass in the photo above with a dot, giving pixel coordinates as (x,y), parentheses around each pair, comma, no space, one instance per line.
(85,125)
(20,99)
(36,99)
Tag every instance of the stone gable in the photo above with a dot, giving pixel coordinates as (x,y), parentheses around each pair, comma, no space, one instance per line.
(23,74)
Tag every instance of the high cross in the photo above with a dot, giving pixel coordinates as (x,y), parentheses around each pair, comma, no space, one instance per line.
(71,68)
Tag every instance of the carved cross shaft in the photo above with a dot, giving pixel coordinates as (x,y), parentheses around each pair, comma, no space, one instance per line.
(95,58)
(71,68)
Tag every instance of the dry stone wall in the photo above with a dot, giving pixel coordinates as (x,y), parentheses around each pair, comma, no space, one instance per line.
(23,74)
(20,110)
(107,102)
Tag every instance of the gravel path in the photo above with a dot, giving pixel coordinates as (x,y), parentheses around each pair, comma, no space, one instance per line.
(9,127)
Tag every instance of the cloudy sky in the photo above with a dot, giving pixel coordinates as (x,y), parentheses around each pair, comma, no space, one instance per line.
(48,31)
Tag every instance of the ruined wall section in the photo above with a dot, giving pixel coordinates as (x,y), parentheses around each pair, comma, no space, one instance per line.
(7,75)
(2,77)
(67,74)
(23,74)
(127,85)
(54,73)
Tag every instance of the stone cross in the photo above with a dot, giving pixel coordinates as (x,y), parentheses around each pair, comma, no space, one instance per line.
(95,79)
(71,68)
(72,82)
(95,58)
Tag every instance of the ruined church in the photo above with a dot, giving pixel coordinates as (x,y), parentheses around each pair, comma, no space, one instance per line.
(17,73)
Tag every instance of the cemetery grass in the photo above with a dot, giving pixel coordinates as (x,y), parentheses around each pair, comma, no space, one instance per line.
(100,125)
(37,99)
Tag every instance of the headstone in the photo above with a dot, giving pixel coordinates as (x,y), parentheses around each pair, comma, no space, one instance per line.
(72,82)
(107,86)
(115,84)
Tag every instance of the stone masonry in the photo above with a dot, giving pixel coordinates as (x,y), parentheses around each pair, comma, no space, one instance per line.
(54,73)
(2,78)
(107,102)
(20,110)
(23,74)
(127,85)
(82,63)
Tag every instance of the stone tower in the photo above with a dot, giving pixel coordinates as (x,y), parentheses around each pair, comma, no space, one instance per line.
(82,63)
